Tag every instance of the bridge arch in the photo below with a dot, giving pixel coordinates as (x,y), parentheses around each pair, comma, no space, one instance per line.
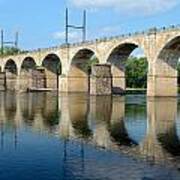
(80,70)
(27,67)
(11,73)
(137,43)
(28,63)
(11,66)
(85,49)
(53,69)
(117,57)
(165,67)
(167,42)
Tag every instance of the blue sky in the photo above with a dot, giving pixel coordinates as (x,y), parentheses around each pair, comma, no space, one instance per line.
(41,22)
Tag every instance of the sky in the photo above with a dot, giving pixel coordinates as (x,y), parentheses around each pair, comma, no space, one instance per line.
(41,22)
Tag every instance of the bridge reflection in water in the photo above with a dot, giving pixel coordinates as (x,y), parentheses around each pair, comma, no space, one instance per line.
(145,129)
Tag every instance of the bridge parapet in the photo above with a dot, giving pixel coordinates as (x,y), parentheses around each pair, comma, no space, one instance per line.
(104,39)
(128,35)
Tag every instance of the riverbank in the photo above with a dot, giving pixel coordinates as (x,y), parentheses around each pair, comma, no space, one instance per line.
(136,91)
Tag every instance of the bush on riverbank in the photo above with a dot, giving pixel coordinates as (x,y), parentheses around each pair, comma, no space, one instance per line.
(136,72)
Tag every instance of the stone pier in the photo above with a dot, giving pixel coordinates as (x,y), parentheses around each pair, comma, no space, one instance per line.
(101,80)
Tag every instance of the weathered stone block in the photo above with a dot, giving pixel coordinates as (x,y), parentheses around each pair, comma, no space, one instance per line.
(162,86)
(2,81)
(101,80)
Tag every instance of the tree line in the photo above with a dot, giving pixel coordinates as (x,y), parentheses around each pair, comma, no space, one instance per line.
(9,50)
(136,70)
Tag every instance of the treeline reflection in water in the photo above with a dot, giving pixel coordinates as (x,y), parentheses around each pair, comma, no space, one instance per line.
(140,127)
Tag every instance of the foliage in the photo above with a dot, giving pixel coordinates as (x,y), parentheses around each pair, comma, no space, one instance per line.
(136,72)
(178,70)
(9,51)
(87,66)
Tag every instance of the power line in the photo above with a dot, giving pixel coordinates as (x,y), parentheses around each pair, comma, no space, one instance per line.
(68,26)
(3,42)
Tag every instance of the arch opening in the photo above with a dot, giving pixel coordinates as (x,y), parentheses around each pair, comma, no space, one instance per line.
(28,63)
(166,68)
(27,72)
(11,67)
(11,73)
(129,68)
(53,69)
(80,71)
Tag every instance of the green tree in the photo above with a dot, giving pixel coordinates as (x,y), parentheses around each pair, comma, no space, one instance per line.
(87,66)
(136,72)
(9,51)
(178,69)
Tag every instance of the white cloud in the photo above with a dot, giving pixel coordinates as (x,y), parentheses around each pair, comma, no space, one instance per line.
(144,7)
(110,29)
(73,36)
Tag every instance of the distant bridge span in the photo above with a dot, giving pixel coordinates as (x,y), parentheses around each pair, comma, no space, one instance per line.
(62,67)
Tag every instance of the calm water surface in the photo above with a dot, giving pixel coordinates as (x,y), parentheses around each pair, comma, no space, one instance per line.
(47,137)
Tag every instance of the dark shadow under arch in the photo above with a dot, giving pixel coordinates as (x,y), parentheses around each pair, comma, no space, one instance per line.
(11,66)
(170,141)
(53,63)
(170,53)
(53,69)
(27,74)
(167,60)
(120,134)
(11,73)
(80,70)
(28,63)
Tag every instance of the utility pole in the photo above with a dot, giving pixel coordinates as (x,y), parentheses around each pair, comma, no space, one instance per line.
(67,29)
(2,42)
(84,26)
(16,40)
(14,43)
(68,26)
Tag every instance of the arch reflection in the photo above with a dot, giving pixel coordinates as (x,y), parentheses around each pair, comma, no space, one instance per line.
(101,121)
(107,121)
(161,142)
(74,121)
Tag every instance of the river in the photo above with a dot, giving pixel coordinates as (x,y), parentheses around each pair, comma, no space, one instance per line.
(46,136)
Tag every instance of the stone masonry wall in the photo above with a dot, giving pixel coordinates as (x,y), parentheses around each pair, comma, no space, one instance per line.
(101,80)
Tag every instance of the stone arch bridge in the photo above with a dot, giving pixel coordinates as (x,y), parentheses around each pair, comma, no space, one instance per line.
(62,67)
